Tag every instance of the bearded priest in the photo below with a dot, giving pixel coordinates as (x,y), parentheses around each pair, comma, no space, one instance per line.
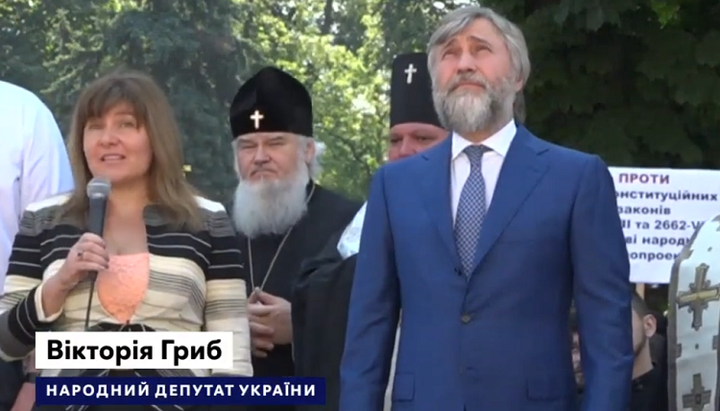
(281,214)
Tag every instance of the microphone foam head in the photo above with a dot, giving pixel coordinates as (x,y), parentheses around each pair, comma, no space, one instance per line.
(98,187)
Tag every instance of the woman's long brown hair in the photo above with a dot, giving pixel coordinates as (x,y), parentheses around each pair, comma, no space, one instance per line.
(167,185)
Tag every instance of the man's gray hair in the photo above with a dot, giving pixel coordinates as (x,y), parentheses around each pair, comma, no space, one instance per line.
(315,166)
(458,20)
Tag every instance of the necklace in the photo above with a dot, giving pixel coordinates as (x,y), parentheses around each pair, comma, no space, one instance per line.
(277,253)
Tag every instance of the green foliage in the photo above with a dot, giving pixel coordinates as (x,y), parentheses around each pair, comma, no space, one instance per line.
(21,62)
(636,81)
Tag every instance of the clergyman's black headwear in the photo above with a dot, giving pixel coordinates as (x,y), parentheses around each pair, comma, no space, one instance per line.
(411,91)
(272,101)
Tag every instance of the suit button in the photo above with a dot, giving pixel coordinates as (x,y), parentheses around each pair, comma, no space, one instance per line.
(466,318)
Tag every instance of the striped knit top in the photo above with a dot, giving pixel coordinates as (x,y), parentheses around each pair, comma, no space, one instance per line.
(195,283)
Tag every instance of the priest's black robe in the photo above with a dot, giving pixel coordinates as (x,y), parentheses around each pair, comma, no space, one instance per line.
(320,310)
(327,213)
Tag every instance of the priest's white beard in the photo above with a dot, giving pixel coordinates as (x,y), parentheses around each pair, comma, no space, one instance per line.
(467,110)
(271,207)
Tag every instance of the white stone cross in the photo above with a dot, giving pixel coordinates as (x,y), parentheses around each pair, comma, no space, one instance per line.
(410,71)
(256,117)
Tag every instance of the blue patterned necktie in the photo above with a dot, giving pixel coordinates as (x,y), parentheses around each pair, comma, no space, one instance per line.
(471,209)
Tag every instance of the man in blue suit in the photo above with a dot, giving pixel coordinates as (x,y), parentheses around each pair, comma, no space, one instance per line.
(482,242)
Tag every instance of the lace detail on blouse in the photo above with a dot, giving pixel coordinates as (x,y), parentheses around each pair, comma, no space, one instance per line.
(121,288)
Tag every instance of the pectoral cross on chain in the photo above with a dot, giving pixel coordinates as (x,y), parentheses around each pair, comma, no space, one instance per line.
(410,71)
(256,117)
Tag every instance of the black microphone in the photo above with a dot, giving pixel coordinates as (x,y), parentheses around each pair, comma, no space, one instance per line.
(98,190)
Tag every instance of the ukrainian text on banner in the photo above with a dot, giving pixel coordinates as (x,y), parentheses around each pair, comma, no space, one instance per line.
(660,209)
(181,391)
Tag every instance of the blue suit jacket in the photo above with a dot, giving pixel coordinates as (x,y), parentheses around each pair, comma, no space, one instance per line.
(498,341)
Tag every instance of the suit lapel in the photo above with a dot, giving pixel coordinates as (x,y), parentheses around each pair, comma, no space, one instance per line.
(436,192)
(520,173)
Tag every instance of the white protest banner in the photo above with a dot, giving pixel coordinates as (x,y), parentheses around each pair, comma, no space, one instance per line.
(660,210)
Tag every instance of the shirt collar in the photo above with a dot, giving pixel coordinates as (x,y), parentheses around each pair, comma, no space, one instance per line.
(498,142)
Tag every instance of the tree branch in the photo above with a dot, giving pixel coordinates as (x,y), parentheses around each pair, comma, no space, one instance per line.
(328,18)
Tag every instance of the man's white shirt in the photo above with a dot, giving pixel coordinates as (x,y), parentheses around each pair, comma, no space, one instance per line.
(34,162)
(492,162)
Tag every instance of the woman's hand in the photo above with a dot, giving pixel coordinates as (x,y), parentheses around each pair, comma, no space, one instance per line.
(88,254)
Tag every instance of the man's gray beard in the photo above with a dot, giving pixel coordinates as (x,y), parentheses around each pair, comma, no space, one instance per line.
(466,112)
(270,207)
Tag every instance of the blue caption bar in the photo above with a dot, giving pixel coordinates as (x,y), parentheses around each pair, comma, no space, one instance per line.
(179,391)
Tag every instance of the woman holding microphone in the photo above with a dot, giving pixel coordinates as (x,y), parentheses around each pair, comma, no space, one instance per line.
(168,259)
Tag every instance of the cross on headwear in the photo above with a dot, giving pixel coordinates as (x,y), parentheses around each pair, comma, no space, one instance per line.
(256,117)
(410,71)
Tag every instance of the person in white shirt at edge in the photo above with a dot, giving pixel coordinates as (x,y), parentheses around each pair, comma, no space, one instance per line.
(34,165)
